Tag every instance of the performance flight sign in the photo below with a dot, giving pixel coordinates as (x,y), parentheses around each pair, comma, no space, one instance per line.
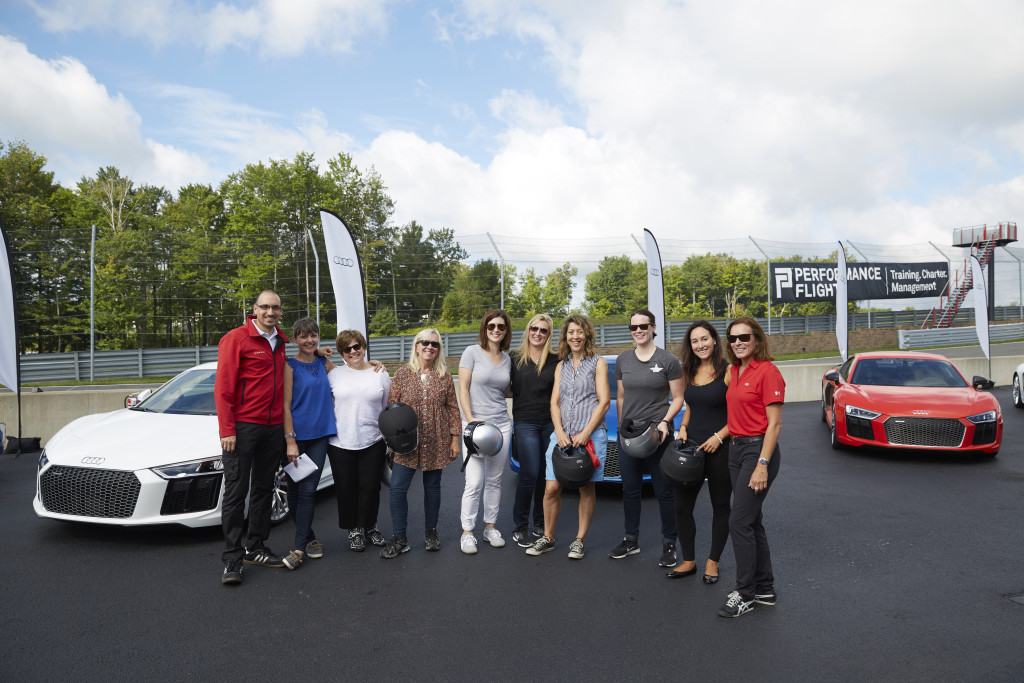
(805,282)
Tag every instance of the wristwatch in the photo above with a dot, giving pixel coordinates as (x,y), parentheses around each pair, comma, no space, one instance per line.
(291,435)
(762,461)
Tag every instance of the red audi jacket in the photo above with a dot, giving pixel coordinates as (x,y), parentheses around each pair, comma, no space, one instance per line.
(250,379)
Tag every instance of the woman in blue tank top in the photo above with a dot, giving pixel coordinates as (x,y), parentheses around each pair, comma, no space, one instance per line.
(308,423)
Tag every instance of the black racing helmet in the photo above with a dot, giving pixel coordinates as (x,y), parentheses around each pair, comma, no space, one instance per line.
(639,440)
(683,464)
(573,466)
(398,424)
(482,438)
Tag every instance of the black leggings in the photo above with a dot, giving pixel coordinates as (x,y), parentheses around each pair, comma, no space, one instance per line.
(716,469)
(357,484)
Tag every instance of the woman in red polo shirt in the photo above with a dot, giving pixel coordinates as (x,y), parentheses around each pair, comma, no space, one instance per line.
(755,396)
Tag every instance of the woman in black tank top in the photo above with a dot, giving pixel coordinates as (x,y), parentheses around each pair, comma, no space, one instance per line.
(705,421)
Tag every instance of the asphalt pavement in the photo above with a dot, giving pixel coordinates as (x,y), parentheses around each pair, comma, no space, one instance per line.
(888,567)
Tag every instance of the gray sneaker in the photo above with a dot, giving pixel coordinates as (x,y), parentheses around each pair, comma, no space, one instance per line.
(433,542)
(314,549)
(576,550)
(541,546)
(394,548)
(356,542)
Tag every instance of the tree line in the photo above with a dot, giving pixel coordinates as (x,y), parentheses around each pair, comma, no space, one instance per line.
(180,269)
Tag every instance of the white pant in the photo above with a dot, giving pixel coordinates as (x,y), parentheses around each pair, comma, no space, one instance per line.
(484,474)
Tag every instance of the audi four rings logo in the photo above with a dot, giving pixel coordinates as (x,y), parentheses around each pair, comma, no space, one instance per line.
(347,262)
(93,460)
(922,412)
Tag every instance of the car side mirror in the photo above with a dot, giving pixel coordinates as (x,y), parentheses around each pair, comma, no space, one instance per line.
(982,383)
(832,376)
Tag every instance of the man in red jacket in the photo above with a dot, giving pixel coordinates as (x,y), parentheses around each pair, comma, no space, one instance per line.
(249,393)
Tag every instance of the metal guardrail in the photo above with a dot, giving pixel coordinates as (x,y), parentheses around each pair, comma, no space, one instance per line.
(958,336)
(57,367)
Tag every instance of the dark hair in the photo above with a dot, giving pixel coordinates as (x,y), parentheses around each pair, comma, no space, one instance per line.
(305,326)
(691,361)
(589,346)
(650,316)
(762,352)
(346,337)
(506,341)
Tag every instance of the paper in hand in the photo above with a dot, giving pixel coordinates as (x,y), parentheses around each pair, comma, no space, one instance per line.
(301,468)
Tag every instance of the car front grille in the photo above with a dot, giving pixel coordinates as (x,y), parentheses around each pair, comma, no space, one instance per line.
(859,427)
(191,494)
(87,492)
(928,432)
(611,461)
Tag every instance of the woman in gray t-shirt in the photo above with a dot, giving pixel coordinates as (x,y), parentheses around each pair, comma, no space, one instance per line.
(650,392)
(483,383)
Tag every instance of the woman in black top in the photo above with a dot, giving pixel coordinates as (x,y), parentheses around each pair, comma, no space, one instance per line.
(705,422)
(533,376)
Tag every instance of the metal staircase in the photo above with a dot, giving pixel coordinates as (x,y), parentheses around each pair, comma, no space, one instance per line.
(982,241)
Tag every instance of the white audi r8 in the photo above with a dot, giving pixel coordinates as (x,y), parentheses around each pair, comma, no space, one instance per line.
(157,462)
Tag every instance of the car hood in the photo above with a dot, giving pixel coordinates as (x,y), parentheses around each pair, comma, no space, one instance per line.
(938,401)
(133,439)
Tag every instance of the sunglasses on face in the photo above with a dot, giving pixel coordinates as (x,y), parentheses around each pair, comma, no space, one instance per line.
(500,327)
(542,330)
(641,326)
(268,307)
(351,349)
(733,338)
(431,344)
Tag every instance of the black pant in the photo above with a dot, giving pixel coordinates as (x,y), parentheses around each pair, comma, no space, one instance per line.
(258,453)
(716,469)
(357,484)
(749,542)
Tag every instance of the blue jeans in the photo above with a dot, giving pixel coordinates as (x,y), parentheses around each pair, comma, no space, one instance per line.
(632,470)
(302,494)
(531,439)
(401,478)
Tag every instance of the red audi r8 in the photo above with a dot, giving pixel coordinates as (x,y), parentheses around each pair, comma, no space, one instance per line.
(907,399)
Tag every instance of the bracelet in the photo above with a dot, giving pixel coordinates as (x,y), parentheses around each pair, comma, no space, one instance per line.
(720,442)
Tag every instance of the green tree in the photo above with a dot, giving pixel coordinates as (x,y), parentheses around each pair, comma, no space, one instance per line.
(557,292)
(617,287)
(474,291)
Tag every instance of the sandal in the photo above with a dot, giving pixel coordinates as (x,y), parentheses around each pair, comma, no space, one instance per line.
(292,560)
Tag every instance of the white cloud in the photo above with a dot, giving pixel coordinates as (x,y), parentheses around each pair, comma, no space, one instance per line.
(272,27)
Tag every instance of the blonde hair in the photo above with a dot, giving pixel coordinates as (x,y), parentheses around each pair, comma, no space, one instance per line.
(522,352)
(439,368)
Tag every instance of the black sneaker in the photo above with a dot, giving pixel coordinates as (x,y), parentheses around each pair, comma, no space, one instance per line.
(537,531)
(433,541)
(735,606)
(523,538)
(766,598)
(356,542)
(395,547)
(232,572)
(374,536)
(627,547)
(264,556)
(668,555)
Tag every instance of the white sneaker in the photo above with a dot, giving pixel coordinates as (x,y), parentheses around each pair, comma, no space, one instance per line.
(493,536)
(468,544)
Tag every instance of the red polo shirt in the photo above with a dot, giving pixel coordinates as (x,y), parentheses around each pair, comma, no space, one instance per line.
(748,397)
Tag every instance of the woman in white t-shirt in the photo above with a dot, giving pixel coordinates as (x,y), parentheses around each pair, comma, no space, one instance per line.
(483,385)
(358,450)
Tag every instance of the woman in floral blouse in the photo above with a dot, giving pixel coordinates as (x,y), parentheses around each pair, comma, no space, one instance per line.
(426,385)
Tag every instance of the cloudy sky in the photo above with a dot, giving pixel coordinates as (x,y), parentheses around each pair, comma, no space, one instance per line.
(880,121)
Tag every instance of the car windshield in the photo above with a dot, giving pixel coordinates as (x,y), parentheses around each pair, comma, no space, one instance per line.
(190,393)
(907,372)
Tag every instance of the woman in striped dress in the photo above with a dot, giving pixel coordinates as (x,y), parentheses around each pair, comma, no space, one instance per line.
(579,402)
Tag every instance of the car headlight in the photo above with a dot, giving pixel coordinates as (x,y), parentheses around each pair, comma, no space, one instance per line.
(43,460)
(854,411)
(192,468)
(987,416)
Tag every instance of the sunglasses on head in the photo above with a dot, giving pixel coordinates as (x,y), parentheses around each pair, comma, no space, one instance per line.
(641,326)
(431,344)
(351,349)
(733,338)
(500,327)
(542,330)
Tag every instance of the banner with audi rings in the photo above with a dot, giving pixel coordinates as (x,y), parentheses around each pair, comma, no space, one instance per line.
(806,282)
(346,273)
